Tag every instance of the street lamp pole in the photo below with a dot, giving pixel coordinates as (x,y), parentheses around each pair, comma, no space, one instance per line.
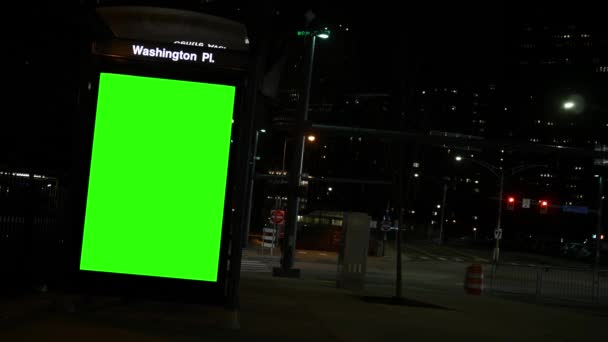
(295,175)
(284,153)
(246,231)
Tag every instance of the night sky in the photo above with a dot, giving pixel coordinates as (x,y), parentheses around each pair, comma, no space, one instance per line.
(389,47)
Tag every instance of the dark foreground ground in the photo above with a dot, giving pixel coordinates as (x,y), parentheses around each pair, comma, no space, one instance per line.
(308,309)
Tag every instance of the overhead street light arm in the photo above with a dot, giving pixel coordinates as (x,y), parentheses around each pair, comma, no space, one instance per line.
(495,170)
(523,168)
(425,138)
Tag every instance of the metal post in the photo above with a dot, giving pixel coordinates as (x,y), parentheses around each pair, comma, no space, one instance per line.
(400,207)
(443,201)
(498,223)
(244,135)
(384,241)
(600,208)
(245,241)
(295,175)
(284,152)
(539,282)
(598,240)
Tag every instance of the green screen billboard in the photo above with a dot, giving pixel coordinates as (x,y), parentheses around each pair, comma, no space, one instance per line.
(157,182)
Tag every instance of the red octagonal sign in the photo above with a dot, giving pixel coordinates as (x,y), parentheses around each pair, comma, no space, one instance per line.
(277,216)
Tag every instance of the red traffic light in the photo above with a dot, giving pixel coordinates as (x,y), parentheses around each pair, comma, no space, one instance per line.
(510,203)
(544,203)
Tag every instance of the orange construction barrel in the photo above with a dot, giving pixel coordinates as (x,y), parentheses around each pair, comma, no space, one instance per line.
(473,282)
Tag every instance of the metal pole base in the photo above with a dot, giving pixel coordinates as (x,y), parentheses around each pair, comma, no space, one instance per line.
(286,273)
(495,255)
(235,324)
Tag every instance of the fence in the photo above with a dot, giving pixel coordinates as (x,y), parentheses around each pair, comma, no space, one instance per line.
(31,237)
(576,284)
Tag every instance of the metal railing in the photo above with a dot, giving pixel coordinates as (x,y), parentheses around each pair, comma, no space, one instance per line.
(576,284)
(603,286)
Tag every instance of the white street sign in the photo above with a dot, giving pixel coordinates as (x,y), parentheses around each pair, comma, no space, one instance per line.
(498,234)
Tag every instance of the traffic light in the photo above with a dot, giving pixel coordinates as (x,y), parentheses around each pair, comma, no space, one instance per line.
(544,205)
(510,202)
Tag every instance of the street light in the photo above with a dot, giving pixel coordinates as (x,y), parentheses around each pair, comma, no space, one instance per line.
(323,34)
(295,173)
(500,174)
(310,138)
(574,104)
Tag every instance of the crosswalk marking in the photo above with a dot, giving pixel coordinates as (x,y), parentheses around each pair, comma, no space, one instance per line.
(441,258)
(254,266)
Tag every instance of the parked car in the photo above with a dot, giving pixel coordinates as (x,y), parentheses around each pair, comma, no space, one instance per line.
(570,249)
(586,253)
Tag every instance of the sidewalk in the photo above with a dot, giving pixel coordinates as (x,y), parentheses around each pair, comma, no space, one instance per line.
(305,310)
